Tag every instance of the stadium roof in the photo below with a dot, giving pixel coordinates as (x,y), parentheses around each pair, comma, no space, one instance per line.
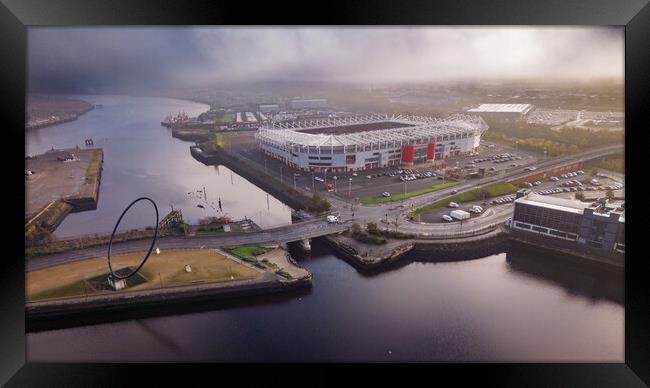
(415,127)
(501,108)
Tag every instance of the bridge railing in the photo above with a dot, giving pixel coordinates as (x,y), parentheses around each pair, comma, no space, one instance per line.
(457,234)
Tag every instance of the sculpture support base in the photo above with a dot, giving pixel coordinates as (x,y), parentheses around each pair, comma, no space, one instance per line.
(117,284)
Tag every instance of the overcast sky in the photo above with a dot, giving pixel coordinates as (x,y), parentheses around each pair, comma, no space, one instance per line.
(73,58)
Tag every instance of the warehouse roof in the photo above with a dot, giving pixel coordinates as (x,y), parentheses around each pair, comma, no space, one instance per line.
(502,108)
(563,204)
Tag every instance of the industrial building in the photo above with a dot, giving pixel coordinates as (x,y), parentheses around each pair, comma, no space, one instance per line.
(360,142)
(600,225)
(308,103)
(268,108)
(501,112)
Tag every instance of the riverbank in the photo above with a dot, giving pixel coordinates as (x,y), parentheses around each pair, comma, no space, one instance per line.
(571,250)
(369,257)
(57,183)
(50,315)
(289,196)
(48,111)
(223,277)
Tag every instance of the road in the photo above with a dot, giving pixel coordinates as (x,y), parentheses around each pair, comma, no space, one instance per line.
(362,214)
(294,232)
(391,211)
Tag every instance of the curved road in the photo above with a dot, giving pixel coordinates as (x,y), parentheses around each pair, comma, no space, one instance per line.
(376,213)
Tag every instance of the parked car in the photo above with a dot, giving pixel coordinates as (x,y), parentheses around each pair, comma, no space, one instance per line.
(447,218)
(385,194)
(452,205)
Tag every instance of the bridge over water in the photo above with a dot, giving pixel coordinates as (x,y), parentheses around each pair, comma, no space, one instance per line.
(289,233)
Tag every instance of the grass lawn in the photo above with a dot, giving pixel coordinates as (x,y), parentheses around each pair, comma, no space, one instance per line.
(399,197)
(248,253)
(72,289)
(227,118)
(168,267)
(489,191)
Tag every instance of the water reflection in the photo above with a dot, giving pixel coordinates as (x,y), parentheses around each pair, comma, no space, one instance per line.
(578,280)
(142,159)
(479,310)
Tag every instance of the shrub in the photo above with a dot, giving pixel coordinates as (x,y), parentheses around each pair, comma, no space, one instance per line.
(372,228)
(370,239)
(318,204)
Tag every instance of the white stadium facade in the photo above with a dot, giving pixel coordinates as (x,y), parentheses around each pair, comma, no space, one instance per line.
(361,142)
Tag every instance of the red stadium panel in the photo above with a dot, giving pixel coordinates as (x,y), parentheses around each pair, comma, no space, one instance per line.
(408,155)
(431,152)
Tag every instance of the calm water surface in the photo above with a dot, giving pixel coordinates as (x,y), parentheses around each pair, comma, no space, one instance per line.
(142,159)
(507,307)
(515,306)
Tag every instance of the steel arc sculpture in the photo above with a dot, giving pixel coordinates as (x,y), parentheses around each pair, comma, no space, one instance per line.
(153,241)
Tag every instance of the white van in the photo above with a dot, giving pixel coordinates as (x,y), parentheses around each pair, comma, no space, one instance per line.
(332,219)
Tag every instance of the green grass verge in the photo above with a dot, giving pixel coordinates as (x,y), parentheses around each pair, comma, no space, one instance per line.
(227,118)
(489,191)
(248,253)
(399,197)
(74,289)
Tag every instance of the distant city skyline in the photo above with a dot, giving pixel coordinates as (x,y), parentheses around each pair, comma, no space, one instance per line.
(77,58)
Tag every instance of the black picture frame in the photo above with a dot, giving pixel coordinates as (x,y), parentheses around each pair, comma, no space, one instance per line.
(16,15)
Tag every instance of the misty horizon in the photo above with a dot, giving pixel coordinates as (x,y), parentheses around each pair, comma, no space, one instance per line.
(147,58)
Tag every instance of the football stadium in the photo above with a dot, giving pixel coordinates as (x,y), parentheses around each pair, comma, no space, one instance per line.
(360,142)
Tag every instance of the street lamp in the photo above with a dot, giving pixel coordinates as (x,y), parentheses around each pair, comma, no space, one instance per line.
(280,174)
(335,179)
(349,187)
(313,188)
(294,180)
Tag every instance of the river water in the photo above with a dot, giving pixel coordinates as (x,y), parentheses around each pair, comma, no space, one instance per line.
(142,159)
(520,305)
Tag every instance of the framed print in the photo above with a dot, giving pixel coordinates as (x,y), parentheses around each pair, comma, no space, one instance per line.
(404,184)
